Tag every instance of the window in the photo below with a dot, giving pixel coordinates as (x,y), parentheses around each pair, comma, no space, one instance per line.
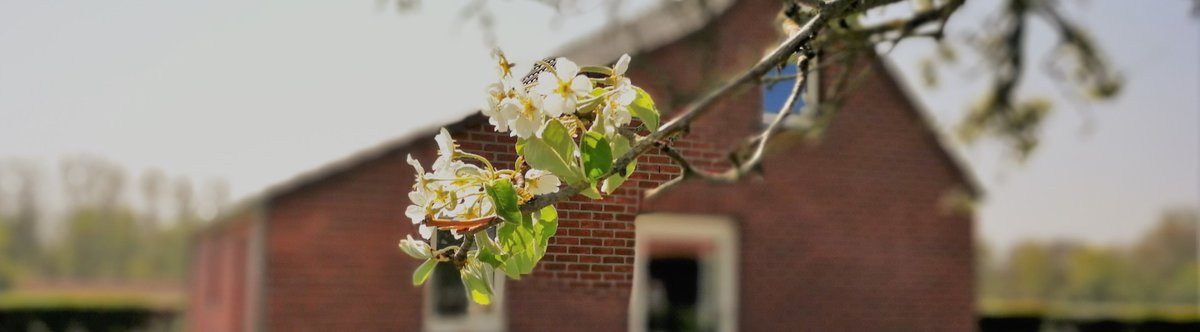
(685,274)
(776,91)
(447,307)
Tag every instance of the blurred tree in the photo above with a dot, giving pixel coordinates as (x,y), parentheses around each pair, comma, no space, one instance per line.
(1030,273)
(1166,258)
(7,273)
(91,182)
(99,244)
(987,277)
(1094,275)
(185,204)
(154,186)
(19,181)
(101,235)
(214,197)
(1162,268)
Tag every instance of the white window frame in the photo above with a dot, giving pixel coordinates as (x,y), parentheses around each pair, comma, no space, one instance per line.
(721,269)
(477,318)
(811,97)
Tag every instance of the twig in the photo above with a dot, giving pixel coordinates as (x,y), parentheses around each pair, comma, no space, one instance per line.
(939,14)
(739,170)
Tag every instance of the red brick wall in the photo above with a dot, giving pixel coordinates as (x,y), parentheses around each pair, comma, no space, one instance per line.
(217,297)
(332,261)
(847,235)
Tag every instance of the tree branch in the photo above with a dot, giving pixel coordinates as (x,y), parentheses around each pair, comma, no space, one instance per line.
(692,111)
(912,23)
(740,169)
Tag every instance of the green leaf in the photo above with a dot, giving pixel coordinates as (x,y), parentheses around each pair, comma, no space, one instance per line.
(511,270)
(480,297)
(489,251)
(520,243)
(596,155)
(504,198)
(486,243)
(540,155)
(521,146)
(517,265)
(515,238)
(423,271)
(477,279)
(477,287)
(527,222)
(616,180)
(606,71)
(620,146)
(559,138)
(491,258)
(643,108)
(554,152)
(520,264)
(546,226)
(591,192)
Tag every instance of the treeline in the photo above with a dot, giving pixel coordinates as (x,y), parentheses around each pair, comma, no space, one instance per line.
(90,222)
(1159,269)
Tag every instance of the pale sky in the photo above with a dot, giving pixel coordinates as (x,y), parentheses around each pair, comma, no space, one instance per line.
(1104,171)
(258,92)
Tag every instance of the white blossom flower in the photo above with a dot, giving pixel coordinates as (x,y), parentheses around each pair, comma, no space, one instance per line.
(420,199)
(418,170)
(539,182)
(615,116)
(622,64)
(425,231)
(446,149)
(529,116)
(417,210)
(562,88)
(504,103)
(496,96)
(623,92)
(414,248)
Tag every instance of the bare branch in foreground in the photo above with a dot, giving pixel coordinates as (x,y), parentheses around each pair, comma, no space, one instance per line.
(742,168)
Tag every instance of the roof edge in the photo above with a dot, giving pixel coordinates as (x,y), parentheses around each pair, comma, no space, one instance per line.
(672,20)
(603,46)
(958,163)
(263,198)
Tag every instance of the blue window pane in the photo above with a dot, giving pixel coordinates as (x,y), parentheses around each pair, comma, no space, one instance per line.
(776,94)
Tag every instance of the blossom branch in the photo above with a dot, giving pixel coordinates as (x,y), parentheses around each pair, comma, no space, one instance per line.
(697,108)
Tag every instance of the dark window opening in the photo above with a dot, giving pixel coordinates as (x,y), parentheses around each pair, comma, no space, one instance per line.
(674,287)
(449,295)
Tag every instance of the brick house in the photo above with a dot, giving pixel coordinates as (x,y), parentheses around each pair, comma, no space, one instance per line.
(848,234)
